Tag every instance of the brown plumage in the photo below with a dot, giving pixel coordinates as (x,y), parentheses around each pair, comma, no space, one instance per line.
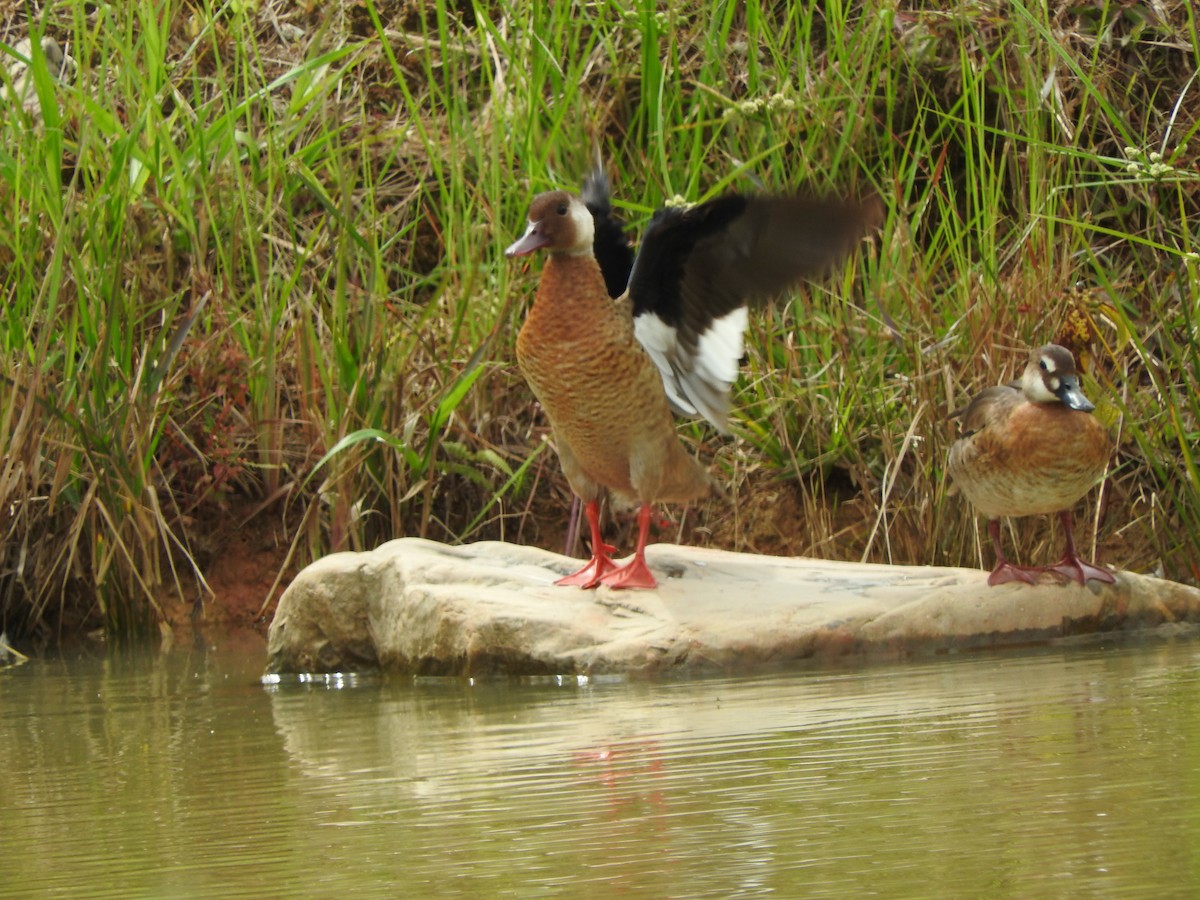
(601,391)
(1032,448)
(586,363)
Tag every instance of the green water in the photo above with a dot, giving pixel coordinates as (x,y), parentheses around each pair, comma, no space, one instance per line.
(1046,773)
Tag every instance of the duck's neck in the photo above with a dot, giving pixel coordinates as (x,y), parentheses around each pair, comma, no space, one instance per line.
(571,295)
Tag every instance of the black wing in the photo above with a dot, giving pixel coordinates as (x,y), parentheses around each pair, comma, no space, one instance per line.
(697,269)
(611,244)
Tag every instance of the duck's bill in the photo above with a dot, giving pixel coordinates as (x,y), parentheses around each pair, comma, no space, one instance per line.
(531,240)
(1072,396)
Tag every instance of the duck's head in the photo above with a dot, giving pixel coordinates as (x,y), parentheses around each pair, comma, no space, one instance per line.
(558,222)
(1050,377)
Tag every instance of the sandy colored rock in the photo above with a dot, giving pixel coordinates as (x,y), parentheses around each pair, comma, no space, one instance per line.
(19,88)
(420,607)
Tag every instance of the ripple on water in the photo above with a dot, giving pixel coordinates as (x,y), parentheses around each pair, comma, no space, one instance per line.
(1044,772)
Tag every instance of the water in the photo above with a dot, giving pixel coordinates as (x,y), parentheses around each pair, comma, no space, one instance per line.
(1044,773)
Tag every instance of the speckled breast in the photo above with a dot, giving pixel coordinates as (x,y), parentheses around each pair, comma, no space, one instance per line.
(598,387)
(1043,460)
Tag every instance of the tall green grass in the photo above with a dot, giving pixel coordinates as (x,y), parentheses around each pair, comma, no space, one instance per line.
(254,270)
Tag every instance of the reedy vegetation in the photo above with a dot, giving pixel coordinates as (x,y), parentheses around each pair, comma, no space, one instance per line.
(253,265)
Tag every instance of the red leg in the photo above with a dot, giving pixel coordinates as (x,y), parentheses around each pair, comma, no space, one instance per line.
(1071,565)
(635,573)
(1005,571)
(600,563)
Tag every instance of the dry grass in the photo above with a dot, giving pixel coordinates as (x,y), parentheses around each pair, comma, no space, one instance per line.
(255,276)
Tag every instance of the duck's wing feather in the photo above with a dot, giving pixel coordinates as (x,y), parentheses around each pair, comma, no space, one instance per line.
(611,244)
(990,406)
(697,268)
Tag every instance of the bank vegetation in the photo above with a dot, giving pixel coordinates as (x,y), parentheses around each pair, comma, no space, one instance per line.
(251,271)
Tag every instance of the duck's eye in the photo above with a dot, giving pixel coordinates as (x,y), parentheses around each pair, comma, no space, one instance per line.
(562,209)
(1043,366)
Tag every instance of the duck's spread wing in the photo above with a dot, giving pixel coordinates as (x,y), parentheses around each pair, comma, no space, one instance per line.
(697,268)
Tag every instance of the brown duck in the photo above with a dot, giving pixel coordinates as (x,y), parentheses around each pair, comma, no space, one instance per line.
(1029,448)
(609,372)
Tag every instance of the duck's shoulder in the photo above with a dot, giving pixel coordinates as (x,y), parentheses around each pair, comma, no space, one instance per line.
(990,409)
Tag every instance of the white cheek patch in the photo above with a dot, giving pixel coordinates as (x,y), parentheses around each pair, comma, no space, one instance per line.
(1034,387)
(584,227)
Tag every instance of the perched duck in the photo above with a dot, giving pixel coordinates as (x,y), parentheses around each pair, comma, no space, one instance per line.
(1028,448)
(608,372)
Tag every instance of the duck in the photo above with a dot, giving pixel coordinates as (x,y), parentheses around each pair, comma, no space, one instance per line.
(1032,447)
(611,373)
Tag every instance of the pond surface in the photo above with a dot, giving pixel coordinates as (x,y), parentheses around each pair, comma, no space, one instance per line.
(1070,772)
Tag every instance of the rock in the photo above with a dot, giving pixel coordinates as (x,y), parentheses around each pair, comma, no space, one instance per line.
(21,90)
(420,607)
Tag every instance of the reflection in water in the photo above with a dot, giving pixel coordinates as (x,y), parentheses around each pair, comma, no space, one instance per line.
(1054,772)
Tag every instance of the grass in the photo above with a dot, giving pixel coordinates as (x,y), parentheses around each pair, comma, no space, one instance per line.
(254,272)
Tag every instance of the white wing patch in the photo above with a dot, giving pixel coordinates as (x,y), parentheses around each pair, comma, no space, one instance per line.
(699,383)
(722,346)
(660,341)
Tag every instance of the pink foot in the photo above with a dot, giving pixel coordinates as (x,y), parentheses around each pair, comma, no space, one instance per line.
(601,563)
(1076,569)
(634,574)
(1006,572)
(593,573)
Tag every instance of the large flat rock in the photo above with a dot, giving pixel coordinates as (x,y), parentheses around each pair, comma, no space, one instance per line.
(417,606)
